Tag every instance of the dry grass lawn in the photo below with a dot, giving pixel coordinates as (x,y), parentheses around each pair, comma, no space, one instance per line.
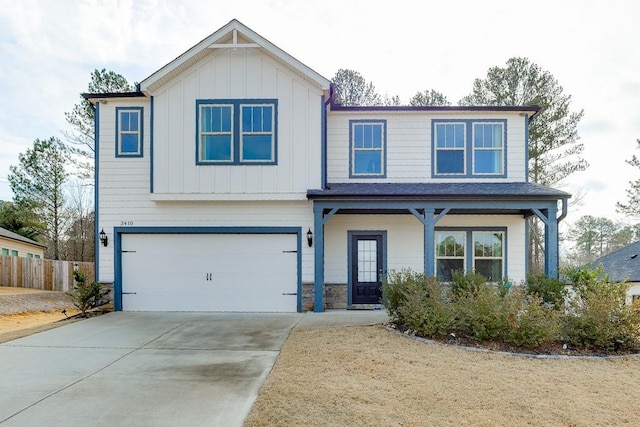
(20,325)
(368,376)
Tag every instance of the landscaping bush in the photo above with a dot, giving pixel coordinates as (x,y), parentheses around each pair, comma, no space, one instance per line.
(478,311)
(418,302)
(597,315)
(468,284)
(531,324)
(85,295)
(550,290)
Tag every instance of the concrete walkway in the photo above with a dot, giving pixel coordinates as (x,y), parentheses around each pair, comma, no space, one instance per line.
(149,369)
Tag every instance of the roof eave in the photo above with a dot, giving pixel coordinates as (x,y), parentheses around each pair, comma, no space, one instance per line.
(529,110)
(97,97)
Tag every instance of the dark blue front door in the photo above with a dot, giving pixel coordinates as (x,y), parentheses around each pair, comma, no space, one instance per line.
(366,269)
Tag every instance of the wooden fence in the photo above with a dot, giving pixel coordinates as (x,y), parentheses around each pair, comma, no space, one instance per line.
(47,274)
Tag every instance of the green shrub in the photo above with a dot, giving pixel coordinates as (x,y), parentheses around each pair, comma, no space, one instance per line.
(466,284)
(597,315)
(396,287)
(550,290)
(479,312)
(530,323)
(86,295)
(418,303)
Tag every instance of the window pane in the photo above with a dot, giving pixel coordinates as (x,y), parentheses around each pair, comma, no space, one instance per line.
(256,147)
(358,136)
(488,161)
(450,244)
(216,147)
(444,268)
(15,253)
(367,162)
(267,119)
(450,161)
(488,244)
(5,251)
(129,143)
(129,121)
(205,119)
(225,119)
(490,269)
(367,261)
(376,136)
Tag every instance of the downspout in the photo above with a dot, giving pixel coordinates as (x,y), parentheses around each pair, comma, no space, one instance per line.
(325,104)
(565,204)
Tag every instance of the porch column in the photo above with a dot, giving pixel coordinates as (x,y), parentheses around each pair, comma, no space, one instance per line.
(551,242)
(429,239)
(318,284)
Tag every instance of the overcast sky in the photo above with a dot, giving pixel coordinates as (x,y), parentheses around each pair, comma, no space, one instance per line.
(49,48)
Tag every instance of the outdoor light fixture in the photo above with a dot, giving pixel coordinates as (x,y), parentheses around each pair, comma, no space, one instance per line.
(103,238)
(309,238)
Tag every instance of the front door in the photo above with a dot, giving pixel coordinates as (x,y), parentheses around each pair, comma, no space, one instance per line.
(366,268)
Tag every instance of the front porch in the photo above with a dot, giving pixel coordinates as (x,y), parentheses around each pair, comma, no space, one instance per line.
(418,212)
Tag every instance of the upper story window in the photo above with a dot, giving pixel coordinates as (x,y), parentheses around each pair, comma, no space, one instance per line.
(129,131)
(368,140)
(466,148)
(486,256)
(236,131)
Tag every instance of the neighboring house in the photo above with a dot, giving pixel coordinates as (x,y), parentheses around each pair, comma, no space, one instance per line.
(12,244)
(230,181)
(623,264)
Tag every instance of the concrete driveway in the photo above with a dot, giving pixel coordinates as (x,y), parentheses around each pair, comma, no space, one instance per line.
(148,369)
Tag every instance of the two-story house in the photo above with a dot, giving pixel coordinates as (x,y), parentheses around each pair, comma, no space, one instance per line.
(231,181)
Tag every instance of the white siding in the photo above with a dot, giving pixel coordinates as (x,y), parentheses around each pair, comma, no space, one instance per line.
(405,241)
(405,244)
(239,74)
(138,210)
(409,145)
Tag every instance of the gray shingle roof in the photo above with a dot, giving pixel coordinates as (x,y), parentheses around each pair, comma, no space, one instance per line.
(467,190)
(13,236)
(622,264)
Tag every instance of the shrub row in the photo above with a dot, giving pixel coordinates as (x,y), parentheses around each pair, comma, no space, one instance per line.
(542,312)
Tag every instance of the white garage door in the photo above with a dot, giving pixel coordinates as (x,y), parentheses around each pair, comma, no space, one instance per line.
(209,272)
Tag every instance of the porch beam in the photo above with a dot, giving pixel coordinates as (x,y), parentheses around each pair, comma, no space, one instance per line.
(429,241)
(329,214)
(318,282)
(441,214)
(544,218)
(417,214)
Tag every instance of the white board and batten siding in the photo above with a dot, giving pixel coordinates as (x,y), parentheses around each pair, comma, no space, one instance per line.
(237,74)
(408,145)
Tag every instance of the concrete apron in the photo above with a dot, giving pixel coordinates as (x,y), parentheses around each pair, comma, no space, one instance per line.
(149,369)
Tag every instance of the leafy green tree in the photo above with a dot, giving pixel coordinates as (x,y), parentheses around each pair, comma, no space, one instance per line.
(428,97)
(21,219)
(554,150)
(632,206)
(351,89)
(38,181)
(81,118)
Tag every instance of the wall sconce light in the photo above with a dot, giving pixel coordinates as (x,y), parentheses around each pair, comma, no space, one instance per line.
(309,238)
(103,238)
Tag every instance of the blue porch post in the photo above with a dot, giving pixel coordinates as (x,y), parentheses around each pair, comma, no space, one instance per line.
(551,242)
(318,284)
(429,239)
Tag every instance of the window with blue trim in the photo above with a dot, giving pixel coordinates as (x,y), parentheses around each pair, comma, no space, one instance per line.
(368,144)
(469,148)
(486,256)
(236,131)
(488,148)
(128,131)
(450,148)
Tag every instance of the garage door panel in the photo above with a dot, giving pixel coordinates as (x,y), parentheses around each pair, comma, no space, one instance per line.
(213,272)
